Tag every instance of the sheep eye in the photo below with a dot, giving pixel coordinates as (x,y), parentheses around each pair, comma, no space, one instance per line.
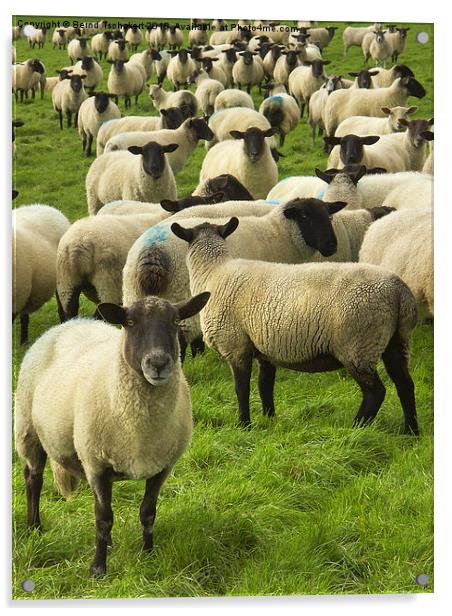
(130,323)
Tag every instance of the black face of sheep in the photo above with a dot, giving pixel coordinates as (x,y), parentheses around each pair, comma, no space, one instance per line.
(153,156)
(291,57)
(82,41)
(121,44)
(87,62)
(313,219)
(155,54)
(201,129)
(101,100)
(230,54)
(172,117)
(76,82)
(402,70)
(247,57)
(428,135)
(331,31)
(316,66)
(351,147)
(413,87)
(276,52)
(37,66)
(208,63)
(364,78)
(183,56)
(415,130)
(182,204)
(117,65)
(229,185)
(64,73)
(254,141)
(402,32)
(151,345)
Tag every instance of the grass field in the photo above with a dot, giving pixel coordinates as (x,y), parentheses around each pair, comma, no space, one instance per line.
(303,504)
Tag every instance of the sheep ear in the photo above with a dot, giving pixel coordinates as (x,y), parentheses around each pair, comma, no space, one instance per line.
(332,140)
(375,170)
(353,74)
(189,307)
(236,134)
(373,73)
(335,206)
(386,110)
(170,148)
(180,232)
(112,313)
(270,131)
(170,206)
(411,110)
(228,228)
(427,135)
(135,149)
(359,173)
(370,140)
(325,62)
(325,176)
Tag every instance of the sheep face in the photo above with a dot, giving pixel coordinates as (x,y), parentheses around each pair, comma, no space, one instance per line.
(208,63)
(87,63)
(153,157)
(351,147)
(101,100)
(247,57)
(254,141)
(291,58)
(183,56)
(229,185)
(121,44)
(313,220)
(201,129)
(364,78)
(415,129)
(172,117)
(182,204)
(76,82)
(402,70)
(413,87)
(37,66)
(150,345)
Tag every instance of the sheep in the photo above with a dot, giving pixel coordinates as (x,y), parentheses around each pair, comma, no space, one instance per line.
(396,152)
(156,37)
(353,36)
(169,118)
(51,82)
(161,61)
(117,50)
(198,36)
(91,256)
(78,48)
(326,316)
(213,71)
(403,190)
(156,262)
(226,183)
(146,59)
(67,96)
(18,33)
(403,244)
(38,38)
(121,175)
(318,101)
(233,98)
(226,120)
(22,75)
(207,90)
(91,68)
(184,99)
(126,79)
(186,137)
(397,41)
(363,78)
(380,48)
(365,125)
(345,103)
(285,64)
(133,37)
(180,68)
(386,77)
(322,36)
(37,80)
(100,44)
(125,208)
(248,157)
(174,37)
(124,404)
(37,229)
(247,70)
(94,112)
(282,112)
(307,51)
(305,80)
(270,59)
(228,57)
(59,38)
(428,165)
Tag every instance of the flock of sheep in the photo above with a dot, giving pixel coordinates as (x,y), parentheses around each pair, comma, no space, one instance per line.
(311,273)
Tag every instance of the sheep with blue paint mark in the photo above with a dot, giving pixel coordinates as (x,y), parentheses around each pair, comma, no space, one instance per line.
(281,110)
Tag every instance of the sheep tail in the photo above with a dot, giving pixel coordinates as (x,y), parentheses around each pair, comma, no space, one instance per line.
(153,271)
(407,312)
(65,482)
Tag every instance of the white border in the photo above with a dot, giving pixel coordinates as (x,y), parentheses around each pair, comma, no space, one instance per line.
(333,10)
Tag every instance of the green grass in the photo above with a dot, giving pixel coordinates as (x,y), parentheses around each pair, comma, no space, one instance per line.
(302,504)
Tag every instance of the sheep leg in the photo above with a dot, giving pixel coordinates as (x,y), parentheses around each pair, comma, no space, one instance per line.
(373,392)
(197,346)
(182,345)
(73,304)
(267,373)
(24,321)
(76,119)
(33,474)
(395,359)
(248,88)
(102,489)
(60,116)
(242,376)
(90,145)
(84,141)
(149,506)
(69,118)
(136,99)
(60,308)
(313,134)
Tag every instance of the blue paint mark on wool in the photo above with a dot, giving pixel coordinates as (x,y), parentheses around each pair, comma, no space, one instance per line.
(272,202)
(158,233)
(321,194)
(276,99)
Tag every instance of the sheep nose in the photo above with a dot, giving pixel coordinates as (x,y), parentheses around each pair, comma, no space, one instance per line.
(157,365)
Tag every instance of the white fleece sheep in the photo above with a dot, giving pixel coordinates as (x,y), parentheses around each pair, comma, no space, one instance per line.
(38,37)
(157,37)
(305,80)
(78,48)
(22,75)
(365,125)
(117,50)
(294,187)
(37,229)
(127,207)
(91,68)
(59,38)
(186,136)
(386,76)
(174,37)
(250,74)
(397,40)
(100,44)
(184,99)
(317,103)
(353,36)
(126,79)
(67,96)
(283,68)
(93,113)
(133,37)
(380,47)
(308,317)
(282,112)
(92,253)
(180,69)
(145,59)
(207,90)
(403,243)
(236,118)
(233,98)
(121,175)
(105,409)
(322,36)
(258,174)
(342,104)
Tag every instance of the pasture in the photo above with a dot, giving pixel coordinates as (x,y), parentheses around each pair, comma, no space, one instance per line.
(299,505)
